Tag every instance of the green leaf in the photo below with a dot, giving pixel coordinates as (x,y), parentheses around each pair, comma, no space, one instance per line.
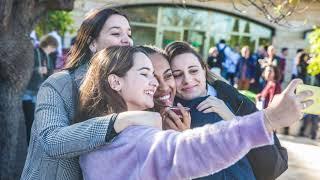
(314,40)
(56,20)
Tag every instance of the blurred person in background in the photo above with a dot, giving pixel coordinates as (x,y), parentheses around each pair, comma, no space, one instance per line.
(213,61)
(229,59)
(314,121)
(302,64)
(270,59)
(61,62)
(282,62)
(257,85)
(245,69)
(272,77)
(295,61)
(41,69)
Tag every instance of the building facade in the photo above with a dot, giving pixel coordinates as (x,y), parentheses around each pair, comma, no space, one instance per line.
(203,24)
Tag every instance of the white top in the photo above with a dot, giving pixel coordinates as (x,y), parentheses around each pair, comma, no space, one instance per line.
(211,91)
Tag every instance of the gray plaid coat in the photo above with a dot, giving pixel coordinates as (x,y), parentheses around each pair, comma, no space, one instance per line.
(55,144)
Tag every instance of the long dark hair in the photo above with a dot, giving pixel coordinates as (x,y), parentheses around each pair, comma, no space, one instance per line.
(179,47)
(89,30)
(97,98)
(276,70)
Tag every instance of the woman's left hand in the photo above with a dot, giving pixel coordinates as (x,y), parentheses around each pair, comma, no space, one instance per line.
(213,104)
(171,120)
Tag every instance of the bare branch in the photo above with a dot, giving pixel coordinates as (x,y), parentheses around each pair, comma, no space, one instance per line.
(275,11)
(244,3)
(235,7)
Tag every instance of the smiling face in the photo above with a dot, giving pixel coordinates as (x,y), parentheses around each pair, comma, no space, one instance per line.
(166,90)
(139,84)
(189,76)
(116,31)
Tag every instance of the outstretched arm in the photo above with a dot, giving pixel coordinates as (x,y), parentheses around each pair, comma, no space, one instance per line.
(201,151)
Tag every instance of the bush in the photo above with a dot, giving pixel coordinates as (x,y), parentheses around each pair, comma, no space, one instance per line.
(314,65)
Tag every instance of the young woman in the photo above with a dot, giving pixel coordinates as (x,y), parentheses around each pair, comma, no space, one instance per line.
(272,76)
(166,91)
(121,79)
(165,94)
(56,140)
(207,96)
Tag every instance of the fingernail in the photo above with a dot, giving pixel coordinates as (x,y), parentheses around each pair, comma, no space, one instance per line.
(310,93)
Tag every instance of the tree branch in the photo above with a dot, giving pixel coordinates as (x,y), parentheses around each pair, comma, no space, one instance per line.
(66,5)
(235,7)
(274,10)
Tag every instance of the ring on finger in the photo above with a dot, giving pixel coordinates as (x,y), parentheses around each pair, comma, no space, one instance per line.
(304,105)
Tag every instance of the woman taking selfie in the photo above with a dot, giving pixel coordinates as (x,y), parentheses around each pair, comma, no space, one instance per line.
(212,100)
(121,79)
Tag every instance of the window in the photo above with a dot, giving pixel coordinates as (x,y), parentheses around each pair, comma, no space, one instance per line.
(200,27)
(143,35)
(145,14)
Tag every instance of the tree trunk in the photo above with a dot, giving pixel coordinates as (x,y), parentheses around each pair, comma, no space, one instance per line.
(17,19)
(16,62)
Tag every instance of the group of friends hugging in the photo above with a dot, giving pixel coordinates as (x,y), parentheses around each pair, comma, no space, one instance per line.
(119,111)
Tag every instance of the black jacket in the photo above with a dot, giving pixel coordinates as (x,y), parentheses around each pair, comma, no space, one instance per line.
(241,170)
(267,162)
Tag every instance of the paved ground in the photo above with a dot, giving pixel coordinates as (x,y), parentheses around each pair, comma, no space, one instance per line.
(304,158)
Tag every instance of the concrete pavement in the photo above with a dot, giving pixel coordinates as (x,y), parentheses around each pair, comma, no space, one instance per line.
(304,158)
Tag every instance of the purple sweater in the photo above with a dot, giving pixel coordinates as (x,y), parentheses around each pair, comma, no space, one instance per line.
(141,152)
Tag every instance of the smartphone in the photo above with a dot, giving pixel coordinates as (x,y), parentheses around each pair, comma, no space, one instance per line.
(315,107)
(176,110)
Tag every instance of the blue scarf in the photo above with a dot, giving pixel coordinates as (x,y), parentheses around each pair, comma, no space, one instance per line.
(241,170)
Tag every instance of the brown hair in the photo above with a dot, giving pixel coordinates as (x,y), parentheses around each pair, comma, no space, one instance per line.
(88,31)
(97,98)
(179,47)
(154,50)
(277,74)
(48,40)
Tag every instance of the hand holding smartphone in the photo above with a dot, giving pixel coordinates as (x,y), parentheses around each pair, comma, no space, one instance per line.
(315,107)
(176,110)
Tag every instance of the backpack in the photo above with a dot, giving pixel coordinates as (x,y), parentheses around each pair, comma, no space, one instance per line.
(221,56)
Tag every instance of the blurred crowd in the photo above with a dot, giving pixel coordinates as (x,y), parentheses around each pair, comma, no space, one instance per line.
(263,73)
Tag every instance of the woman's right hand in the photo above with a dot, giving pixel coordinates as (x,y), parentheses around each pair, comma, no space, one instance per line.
(129,118)
(285,108)
(213,104)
